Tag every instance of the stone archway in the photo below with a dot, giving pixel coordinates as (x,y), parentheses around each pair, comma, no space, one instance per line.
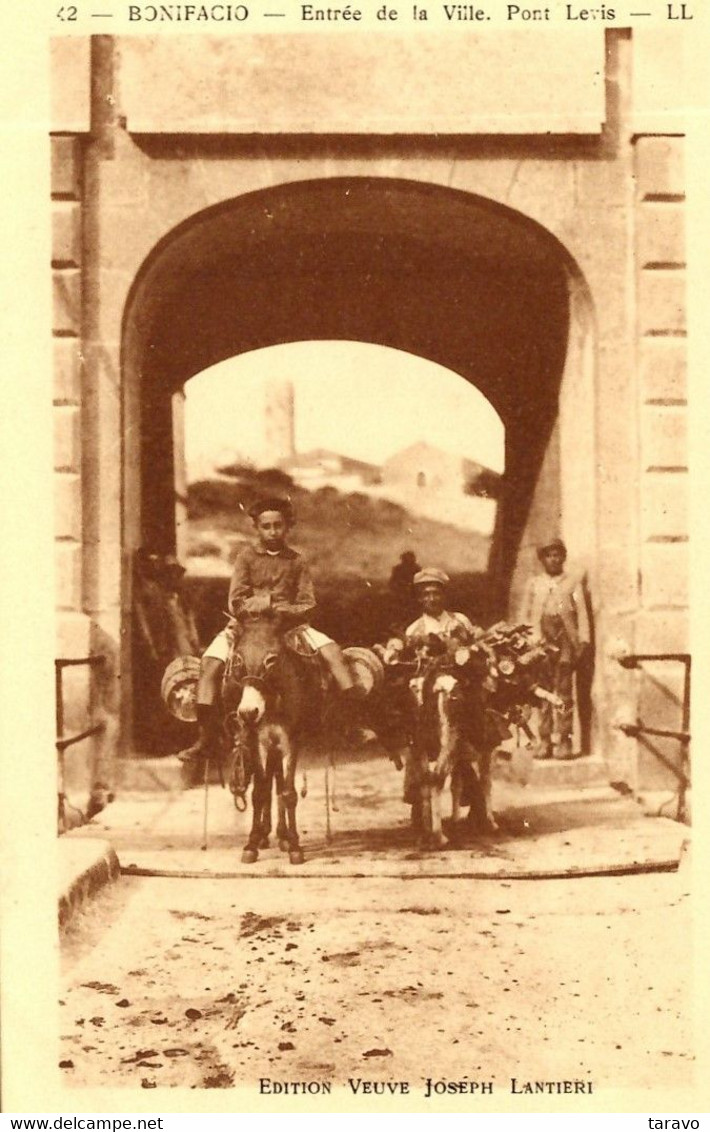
(440,273)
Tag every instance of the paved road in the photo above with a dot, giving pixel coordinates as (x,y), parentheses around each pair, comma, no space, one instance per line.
(217,983)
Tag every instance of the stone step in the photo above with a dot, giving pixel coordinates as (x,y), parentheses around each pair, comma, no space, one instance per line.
(149,773)
(588,770)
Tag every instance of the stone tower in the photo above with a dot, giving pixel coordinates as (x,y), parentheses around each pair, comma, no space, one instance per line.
(279,422)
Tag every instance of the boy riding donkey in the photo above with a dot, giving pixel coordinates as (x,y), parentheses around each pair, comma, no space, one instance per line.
(269,578)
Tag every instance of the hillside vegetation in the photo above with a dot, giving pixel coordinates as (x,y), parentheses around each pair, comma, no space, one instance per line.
(351,543)
(340,535)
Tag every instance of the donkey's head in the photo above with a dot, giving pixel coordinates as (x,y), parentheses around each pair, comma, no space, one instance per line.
(437,701)
(251,679)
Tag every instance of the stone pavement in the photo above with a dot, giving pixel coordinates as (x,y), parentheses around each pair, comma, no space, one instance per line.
(353,824)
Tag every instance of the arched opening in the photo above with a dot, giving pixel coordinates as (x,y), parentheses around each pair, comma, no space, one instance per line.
(340,427)
(437,273)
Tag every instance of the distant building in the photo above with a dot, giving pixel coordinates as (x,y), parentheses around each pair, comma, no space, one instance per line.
(422,467)
(321,467)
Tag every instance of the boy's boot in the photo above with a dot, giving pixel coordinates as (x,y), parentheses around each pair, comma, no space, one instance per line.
(206,745)
(350,697)
(357,727)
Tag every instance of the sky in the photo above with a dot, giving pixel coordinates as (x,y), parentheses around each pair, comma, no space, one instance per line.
(356,398)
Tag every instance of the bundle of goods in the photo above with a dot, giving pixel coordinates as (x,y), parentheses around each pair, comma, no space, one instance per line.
(504,669)
(512,676)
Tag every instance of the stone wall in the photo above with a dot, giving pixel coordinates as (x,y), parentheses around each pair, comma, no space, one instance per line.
(660,276)
(67,327)
(67,280)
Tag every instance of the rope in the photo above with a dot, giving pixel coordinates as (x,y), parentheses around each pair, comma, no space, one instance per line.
(328,831)
(207,788)
(237,783)
(334,802)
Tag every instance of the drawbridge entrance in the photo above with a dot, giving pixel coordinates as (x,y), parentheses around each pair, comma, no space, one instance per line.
(450,277)
(453,278)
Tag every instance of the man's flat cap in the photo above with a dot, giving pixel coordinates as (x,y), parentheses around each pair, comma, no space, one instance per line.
(431,574)
(553,544)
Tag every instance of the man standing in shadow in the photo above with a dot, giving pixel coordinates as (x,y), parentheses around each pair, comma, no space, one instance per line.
(403,599)
(555,604)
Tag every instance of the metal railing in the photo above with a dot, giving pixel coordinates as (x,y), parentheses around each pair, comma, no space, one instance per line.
(641,731)
(62,741)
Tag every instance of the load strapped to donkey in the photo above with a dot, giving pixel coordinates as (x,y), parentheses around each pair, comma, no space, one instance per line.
(459,703)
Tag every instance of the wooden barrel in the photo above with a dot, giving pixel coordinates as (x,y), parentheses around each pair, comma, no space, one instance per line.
(178,687)
(366,668)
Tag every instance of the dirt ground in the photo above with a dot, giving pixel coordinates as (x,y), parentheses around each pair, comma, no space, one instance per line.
(209,984)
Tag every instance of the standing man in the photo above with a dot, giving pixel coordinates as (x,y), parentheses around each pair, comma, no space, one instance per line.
(151,651)
(554,604)
(401,587)
(184,638)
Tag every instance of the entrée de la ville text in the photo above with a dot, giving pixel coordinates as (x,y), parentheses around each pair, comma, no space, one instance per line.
(421,12)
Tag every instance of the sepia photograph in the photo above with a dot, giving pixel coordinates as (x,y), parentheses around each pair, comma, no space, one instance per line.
(371,652)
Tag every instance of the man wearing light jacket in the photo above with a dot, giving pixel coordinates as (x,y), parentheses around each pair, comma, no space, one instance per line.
(554,604)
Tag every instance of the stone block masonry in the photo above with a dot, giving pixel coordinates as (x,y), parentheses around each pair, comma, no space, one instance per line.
(664,530)
(66,185)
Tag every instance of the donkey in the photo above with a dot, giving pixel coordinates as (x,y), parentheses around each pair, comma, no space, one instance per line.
(265,697)
(448,744)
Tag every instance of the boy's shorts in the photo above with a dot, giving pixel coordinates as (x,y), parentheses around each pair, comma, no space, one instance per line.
(218,649)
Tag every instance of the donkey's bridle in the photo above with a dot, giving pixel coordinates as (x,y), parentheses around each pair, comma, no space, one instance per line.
(237,676)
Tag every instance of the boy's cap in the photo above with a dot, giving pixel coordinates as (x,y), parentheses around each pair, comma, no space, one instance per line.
(553,544)
(272,503)
(431,574)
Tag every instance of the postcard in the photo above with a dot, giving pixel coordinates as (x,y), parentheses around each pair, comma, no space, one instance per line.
(354,612)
